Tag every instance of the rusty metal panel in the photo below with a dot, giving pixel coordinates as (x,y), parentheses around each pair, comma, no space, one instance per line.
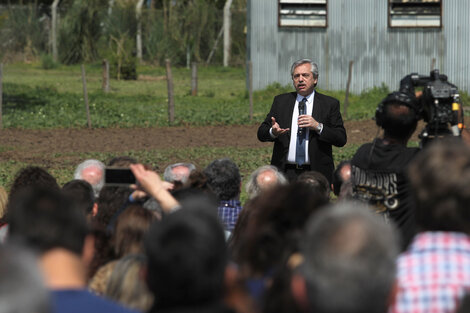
(358,31)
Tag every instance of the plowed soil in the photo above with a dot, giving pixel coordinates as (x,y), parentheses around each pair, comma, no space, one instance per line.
(38,146)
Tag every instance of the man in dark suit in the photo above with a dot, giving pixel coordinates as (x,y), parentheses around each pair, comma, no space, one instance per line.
(303,126)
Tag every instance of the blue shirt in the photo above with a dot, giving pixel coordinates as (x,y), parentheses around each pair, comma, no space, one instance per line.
(81,300)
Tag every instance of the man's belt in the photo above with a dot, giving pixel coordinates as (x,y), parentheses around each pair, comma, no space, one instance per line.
(297,167)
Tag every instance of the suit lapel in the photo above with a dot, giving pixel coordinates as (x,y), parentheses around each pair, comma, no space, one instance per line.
(290,108)
(317,107)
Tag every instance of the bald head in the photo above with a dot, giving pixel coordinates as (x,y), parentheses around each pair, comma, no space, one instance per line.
(345,172)
(181,173)
(92,175)
(264,178)
(91,171)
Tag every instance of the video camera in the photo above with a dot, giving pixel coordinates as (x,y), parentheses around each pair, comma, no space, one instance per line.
(439,105)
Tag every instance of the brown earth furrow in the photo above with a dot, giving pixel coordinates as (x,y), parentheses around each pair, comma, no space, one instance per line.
(21,144)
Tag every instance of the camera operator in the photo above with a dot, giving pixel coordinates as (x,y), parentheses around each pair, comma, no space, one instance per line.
(378,169)
(378,172)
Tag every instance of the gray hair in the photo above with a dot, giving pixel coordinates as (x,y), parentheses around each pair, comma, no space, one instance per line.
(314,67)
(168,174)
(350,253)
(91,163)
(22,287)
(253,189)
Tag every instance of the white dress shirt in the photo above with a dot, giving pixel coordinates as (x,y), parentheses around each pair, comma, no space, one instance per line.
(294,127)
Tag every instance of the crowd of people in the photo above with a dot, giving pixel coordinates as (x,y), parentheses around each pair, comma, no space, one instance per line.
(387,231)
(186,243)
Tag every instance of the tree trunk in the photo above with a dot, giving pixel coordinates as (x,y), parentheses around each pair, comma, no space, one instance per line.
(54,29)
(227,22)
(110,7)
(138,10)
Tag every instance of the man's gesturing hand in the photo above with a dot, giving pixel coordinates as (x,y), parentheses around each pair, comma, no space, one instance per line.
(276,129)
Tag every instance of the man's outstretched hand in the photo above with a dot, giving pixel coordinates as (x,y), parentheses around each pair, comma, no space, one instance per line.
(276,129)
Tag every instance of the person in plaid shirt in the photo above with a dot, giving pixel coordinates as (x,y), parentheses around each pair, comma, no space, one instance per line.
(433,275)
(223,178)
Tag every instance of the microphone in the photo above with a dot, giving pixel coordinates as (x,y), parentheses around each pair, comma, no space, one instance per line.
(302,111)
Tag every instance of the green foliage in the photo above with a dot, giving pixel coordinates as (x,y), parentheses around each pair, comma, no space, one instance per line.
(23,31)
(361,106)
(47,62)
(238,53)
(90,30)
(120,33)
(80,31)
(179,27)
(465,100)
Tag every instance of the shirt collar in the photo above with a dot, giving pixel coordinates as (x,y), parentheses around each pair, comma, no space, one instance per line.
(309,97)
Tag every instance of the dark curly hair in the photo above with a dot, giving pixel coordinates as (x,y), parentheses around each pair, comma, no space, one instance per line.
(223,178)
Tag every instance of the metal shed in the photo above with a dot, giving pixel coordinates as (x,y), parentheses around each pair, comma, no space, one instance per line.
(369,32)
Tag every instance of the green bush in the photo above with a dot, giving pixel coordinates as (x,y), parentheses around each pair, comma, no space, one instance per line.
(80,31)
(47,62)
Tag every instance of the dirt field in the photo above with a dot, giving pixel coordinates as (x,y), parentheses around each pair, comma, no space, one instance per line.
(40,146)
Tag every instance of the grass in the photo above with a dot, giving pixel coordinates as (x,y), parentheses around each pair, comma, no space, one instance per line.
(53,98)
(38,98)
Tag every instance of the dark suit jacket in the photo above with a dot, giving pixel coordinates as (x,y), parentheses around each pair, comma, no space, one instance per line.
(326,111)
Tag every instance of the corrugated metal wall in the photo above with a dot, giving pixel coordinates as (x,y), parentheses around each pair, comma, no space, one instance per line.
(358,31)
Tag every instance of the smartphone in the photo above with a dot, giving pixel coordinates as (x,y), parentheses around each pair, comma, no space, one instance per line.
(118,176)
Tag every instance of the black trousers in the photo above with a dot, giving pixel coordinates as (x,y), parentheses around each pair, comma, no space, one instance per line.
(292,171)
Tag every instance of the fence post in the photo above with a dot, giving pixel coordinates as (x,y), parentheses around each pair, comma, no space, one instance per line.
(250,88)
(348,84)
(194,79)
(1,95)
(105,84)
(85,96)
(171,100)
